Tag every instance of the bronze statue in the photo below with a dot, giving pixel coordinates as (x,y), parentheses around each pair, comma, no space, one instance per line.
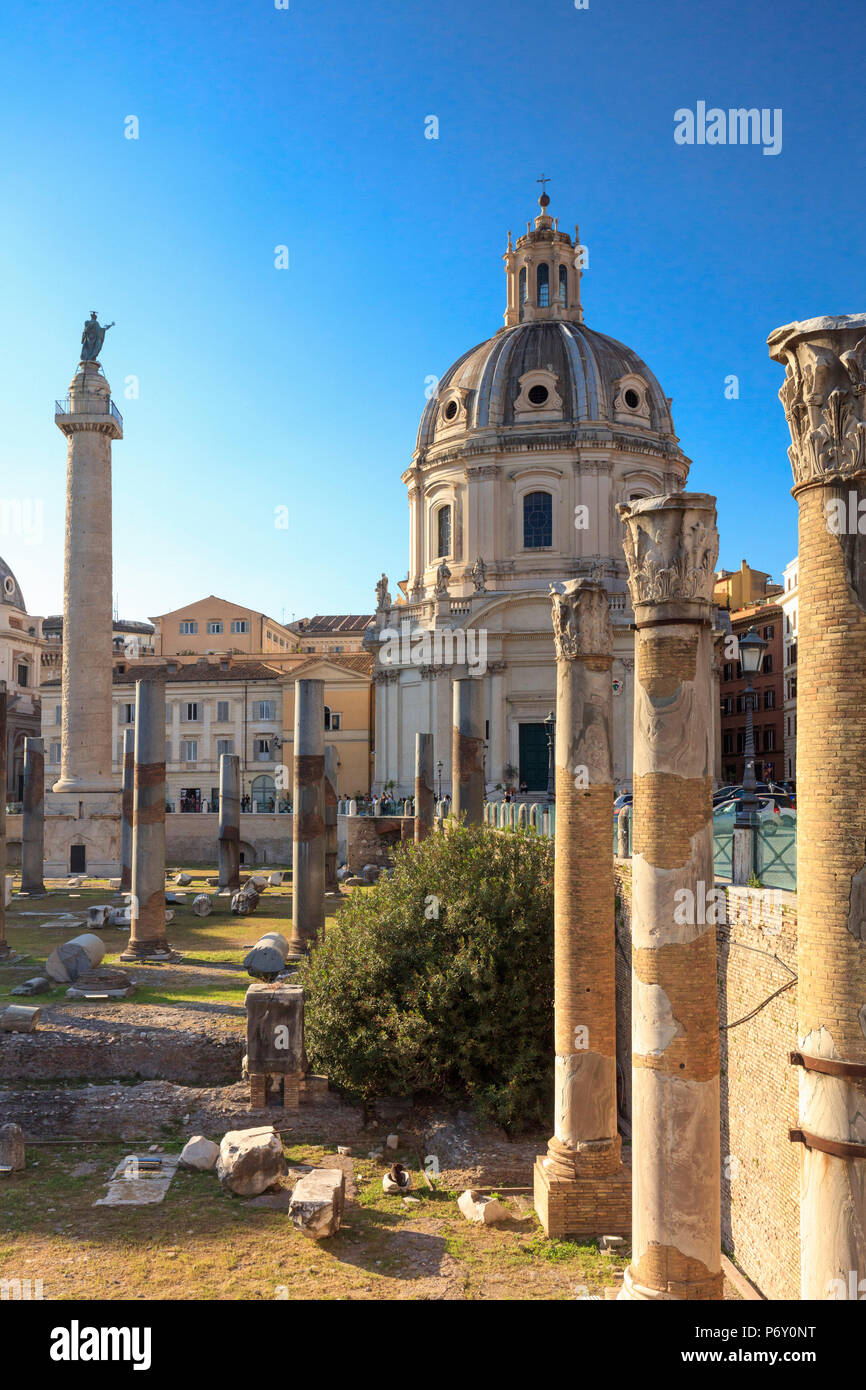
(92,338)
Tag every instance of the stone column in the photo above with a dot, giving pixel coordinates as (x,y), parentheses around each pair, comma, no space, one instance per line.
(718,654)
(467,750)
(574,1194)
(33,818)
(425,792)
(126,811)
(89,425)
(308,820)
(671,545)
(5,949)
(230,821)
(331,779)
(147,935)
(824,396)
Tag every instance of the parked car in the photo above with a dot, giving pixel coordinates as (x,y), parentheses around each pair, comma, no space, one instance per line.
(626,799)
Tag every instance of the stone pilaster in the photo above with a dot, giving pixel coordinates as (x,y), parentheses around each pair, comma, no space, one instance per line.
(126,811)
(671,545)
(33,818)
(824,397)
(147,936)
(581,1187)
(331,759)
(467,750)
(424,789)
(308,820)
(230,821)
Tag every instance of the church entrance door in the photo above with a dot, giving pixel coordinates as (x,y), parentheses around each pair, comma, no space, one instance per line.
(533,757)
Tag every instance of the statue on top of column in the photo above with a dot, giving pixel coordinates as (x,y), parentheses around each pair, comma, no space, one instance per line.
(93,337)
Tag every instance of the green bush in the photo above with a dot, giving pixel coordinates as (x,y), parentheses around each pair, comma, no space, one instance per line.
(439,979)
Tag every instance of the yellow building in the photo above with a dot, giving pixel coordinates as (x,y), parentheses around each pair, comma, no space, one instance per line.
(214,625)
(739,588)
(333,633)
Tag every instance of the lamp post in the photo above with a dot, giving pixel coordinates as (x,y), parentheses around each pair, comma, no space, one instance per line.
(550,729)
(751,651)
(439,776)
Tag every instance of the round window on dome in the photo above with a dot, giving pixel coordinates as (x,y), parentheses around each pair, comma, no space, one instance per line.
(632,399)
(538,394)
(9,584)
(450,411)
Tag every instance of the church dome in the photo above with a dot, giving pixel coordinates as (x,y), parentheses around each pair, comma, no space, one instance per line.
(10,590)
(546,372)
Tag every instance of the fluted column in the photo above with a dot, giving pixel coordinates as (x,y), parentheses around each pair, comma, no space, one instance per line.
(467,750)
(331,759)
(147,935)
(585,1147)
(671,545)
(425,793)
(33,818)
(229,830)
(308,819)
(824,397)
(126,811)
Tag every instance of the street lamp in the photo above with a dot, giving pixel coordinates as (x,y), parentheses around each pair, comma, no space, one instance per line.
(751,651)
(550,729)
(439,773)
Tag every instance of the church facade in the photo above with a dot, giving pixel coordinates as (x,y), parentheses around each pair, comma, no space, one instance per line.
(522,455)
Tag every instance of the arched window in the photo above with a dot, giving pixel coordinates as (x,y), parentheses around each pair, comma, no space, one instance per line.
(522,284)
(563,284)
(543,285)
(327,716)
(537,520)
(443,531)
(263,793)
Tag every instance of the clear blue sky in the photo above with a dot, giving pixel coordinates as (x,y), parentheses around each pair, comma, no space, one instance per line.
(262,388)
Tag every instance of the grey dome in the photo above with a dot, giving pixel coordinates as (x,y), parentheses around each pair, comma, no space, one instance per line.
(10,590)
(587,365)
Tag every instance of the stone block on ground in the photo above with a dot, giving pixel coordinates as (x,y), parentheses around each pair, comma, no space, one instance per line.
(200,1153)
(275,1029)
(73,958)
(317,1202)
(259,882)
(275,879)
(202,905)
(250,1160)
(19,1018)
(268,957)
(485,1211)
(114,883)
(99,915)
(103,983)
(244,902)
(12,1147)
(39,984)
(120,917)
(182,880)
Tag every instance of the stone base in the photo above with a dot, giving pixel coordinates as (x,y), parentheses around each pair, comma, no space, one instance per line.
(89,821)
(587,1206)
(158,952)
(708,1290)
(274,1091)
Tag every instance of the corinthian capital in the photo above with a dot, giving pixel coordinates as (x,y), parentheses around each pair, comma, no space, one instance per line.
(824,395)
(671,545)
(581,619)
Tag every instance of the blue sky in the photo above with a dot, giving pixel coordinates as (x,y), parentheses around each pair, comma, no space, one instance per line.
(259,127)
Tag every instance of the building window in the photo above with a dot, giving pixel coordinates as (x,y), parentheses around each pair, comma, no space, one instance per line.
(792,654)
(537,521)
(332,718)
(23,674)
(264,793)
(563,284)
(264,709)
(741,740)
(770,698)
(128,714)
(768,662)
(543,285)
(240,625)
(741,704)
(443,531)
(727,743)
(188,628)
(522,282)
(189,750)
(768,632)
(58,714)
(54,753)
(222,715)
(214,626)
(769,740)
(225,745)
(261,750)
(728,673)
(168,750)
(191,712)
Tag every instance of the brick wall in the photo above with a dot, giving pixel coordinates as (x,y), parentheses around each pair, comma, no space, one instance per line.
(371,839)
(757,955)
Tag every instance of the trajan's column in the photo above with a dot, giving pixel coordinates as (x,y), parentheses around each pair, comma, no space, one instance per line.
(83,825)
(824,396)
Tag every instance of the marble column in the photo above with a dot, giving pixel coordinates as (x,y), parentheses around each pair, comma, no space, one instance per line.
(331,779)
(718,654)
(33,819)
(126,810)
(230,821)
(90,425)
(425,791)
(147,935)
(467,750)
(582,1174)
(824,397)
(5,949)
(671,546)
(308,820)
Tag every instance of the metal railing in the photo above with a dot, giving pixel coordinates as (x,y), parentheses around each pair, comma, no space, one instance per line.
(94,404)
